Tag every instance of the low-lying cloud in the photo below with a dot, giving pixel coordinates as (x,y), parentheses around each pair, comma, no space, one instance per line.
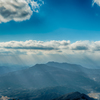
(18,10)
(31,52)
(51,45)
(34,45)
(32,48)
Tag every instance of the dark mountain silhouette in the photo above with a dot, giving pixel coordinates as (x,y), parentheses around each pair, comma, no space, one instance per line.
(42,94)
(74,96)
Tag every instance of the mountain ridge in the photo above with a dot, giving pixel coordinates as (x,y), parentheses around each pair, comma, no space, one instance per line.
(74,96)
(42,76)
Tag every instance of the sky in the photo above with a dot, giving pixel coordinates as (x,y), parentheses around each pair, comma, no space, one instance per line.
(38,31)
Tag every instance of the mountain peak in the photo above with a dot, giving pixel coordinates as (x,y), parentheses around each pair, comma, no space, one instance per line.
(52,62)
(74,96)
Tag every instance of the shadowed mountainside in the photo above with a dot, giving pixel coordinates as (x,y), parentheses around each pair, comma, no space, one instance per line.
(74,96)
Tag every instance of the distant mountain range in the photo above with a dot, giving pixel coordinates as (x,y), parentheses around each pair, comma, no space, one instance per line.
(46,77)
(7,69)
(93,74)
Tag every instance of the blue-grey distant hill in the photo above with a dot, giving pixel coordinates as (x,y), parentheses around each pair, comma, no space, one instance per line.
(42,80)
(47,75)
(6,69)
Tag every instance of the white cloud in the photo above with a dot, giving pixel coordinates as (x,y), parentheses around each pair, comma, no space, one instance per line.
(86,53)
(80,45)
(17,10)
(63,45)
(57,46)
(97,2)
(34,45)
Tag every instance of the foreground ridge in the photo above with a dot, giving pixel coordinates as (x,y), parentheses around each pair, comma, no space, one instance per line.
(74,96)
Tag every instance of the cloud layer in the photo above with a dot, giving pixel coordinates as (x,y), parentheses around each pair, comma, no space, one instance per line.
(17,10)
(34,45)
(51,45)
(32,51)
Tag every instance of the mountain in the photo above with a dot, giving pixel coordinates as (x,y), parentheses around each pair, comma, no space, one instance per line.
(67,66)
(44,80)
(42,76)
(93,74)
(6,69)
(74,96)
(40,94)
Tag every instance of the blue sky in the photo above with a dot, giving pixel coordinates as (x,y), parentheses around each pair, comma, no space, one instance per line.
(38,31)
(56,20)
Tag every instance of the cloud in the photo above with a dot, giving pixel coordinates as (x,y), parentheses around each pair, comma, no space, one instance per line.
(34,45)
(97,2)
(63,45)
(31,52)
(80,48)
(34,48)
(80,45)
(17,10)
(51,45)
